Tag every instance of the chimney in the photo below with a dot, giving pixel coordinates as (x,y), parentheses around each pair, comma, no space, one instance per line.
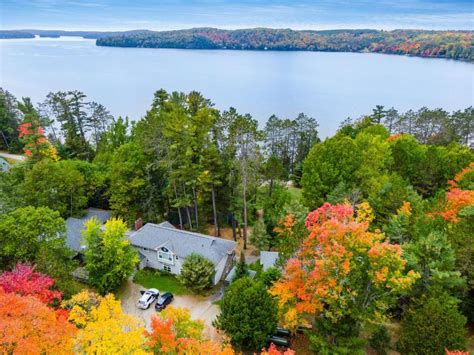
(138,224)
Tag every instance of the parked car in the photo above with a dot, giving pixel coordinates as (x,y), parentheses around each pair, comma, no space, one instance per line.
(147,298)
(278,341)
(163,301)
(282,332)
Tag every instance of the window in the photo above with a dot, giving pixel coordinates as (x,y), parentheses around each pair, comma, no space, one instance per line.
(167,268)
(165,255)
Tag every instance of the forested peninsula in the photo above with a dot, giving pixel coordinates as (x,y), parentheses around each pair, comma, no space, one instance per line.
(456,45)
(436,44)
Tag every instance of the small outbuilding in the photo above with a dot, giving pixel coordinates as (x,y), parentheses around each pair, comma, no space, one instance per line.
(268,259)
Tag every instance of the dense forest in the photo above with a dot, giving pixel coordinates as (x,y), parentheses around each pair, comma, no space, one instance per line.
(374,225)
(422,43)
(438,44)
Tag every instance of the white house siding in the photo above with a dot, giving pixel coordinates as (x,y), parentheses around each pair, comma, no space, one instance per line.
(153,262)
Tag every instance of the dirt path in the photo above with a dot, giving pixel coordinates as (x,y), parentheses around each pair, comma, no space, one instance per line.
(201,308)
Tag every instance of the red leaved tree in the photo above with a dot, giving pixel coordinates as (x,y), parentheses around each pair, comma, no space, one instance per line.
(23,280)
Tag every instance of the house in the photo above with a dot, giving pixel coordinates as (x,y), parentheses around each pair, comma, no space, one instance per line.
(75,226)
(268,259)
(164,247)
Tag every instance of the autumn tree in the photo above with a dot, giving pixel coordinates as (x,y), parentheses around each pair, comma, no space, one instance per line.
(273,350)
(80,307)
(38,236)
(24,280)
(290,232)
(106,329)
(174,332)
(32,135)
(110,258)
(343,273)
(28,326)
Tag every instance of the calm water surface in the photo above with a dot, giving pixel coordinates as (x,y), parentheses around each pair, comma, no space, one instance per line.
(327,86)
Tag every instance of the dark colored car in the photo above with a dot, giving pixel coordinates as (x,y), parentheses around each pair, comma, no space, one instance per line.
(163,301)
(282,332)
(279,341)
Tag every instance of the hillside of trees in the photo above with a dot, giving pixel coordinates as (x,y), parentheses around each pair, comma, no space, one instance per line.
(374,225)
(436,44)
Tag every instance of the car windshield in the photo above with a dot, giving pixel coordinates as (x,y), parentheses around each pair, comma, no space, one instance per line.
(161,300)
(146,296)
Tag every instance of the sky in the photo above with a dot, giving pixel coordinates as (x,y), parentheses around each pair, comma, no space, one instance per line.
(178,14)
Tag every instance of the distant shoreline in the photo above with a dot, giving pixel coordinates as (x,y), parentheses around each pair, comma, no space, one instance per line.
(455,45)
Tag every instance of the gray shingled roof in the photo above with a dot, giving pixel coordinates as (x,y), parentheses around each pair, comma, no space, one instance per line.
(268,259)
(182,243)
(74,227)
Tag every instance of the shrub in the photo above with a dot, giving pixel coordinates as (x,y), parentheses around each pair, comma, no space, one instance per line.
(269,277)
(431,325)
(197,272)
(380,340)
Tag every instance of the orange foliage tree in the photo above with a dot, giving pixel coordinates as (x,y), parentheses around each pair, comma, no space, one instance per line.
(173,332)
(31,134)
(273,350)
(28,326)
(458,196)
(342,270)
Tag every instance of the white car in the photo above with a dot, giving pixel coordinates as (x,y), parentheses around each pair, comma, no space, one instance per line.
(147,298)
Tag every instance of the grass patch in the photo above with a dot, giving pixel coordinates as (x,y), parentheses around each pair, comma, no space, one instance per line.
(162,281)
(296,193)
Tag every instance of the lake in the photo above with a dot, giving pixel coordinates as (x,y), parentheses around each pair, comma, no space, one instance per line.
(327,86)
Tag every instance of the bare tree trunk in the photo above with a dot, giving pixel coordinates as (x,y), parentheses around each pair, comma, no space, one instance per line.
(188,212)
(196,216)
(234,233)
(5,139)
(179,209)
(244,188)
(214,211)
(190,222)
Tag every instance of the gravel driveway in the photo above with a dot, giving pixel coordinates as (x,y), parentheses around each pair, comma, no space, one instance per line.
(200,307)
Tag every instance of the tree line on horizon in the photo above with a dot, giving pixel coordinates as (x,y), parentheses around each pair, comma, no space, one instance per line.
(421,43)
(376,229)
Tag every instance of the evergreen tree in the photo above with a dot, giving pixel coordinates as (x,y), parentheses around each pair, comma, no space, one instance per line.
(241,269)
(248,314)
